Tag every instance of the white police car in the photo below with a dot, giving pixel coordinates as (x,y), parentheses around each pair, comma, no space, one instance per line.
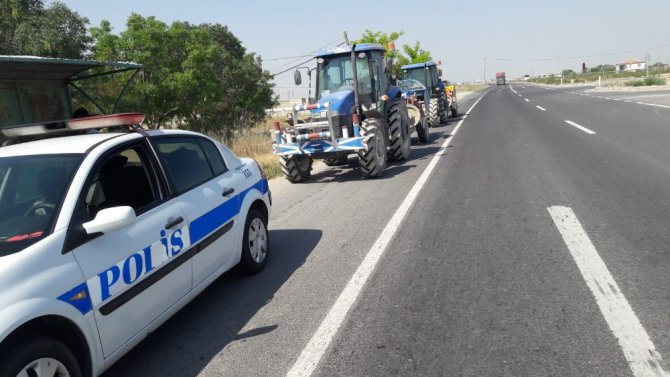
(105,235)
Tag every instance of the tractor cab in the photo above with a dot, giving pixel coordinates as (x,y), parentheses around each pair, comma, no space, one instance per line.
(427,74)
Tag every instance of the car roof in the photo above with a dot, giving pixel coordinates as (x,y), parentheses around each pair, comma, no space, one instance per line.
(347,49)
(35,67)
(418,65)
(78,144)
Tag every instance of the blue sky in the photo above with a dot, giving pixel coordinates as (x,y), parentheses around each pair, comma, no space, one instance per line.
(529,37)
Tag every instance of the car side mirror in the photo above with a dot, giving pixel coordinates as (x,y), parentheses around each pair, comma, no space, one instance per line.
(297,77)
(111,219)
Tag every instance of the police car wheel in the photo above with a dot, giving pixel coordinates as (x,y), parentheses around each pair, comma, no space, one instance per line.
(256,242)
(40,357)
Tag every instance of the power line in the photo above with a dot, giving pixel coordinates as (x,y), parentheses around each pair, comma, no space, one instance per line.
(309,54)
(284,58)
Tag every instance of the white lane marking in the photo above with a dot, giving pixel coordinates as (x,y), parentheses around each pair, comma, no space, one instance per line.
(526,99)
(317,345)
(639,350)
(607,98)
(617,99)
(513,89)
(640,103)
(628,101)
(657,105)
(580,127)
(541,108)
(519,95)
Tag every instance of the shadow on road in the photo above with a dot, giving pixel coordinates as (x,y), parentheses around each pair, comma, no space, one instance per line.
(187,342)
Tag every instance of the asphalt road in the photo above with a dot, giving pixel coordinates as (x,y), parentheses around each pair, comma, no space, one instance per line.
(486,275)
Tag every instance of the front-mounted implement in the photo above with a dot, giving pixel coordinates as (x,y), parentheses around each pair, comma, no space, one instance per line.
(357,111)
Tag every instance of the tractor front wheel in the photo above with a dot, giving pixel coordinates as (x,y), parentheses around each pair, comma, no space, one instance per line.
(296,168)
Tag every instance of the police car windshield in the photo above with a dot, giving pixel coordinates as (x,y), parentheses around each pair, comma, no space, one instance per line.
(31,191)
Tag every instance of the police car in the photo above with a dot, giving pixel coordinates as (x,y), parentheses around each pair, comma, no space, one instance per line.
(105,234)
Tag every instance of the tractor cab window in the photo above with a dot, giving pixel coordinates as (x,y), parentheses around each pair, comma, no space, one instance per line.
(418,74)
(336,75)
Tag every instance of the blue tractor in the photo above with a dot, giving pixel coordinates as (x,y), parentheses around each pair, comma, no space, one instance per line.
(433,97)
(357,111)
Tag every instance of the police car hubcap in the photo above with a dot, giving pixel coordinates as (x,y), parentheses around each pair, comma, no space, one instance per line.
(45,367)
(258,240)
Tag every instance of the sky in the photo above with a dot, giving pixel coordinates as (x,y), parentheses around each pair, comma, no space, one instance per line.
(473,38)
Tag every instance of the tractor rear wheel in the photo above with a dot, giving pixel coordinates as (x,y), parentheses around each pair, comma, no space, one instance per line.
(296,168)
(433,118)
(400,143)
(373,159)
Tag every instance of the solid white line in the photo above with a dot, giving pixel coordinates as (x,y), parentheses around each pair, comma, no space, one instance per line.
(317,345)
(657,105)
(639,350)
(541,108)
(580,127)
(526,99)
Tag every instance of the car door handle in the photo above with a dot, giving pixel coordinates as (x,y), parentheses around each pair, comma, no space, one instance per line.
(172,222)
(228,191)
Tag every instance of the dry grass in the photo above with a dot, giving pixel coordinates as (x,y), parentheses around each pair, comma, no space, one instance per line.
(256,143)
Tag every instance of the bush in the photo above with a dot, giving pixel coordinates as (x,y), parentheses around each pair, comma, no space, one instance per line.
(649,81)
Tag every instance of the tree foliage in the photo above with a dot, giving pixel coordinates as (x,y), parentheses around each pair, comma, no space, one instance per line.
(198,77)
(27,27)
(413,54)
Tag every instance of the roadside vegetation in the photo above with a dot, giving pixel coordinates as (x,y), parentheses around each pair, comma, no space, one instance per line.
(604,72)
(649,81)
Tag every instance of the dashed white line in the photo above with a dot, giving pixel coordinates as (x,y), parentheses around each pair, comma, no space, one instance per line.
(526,99)
(639,350)
(580,127)
(317,345)
(657,105)
(541,108)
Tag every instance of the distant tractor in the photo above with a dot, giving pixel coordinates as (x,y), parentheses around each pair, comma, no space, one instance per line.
(500,78)
(357,111)
(416,108)
(433,96)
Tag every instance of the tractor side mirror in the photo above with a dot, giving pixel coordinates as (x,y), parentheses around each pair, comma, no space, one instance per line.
(297,77)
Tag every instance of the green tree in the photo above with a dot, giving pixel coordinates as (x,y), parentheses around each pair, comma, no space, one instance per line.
(414,54)
(198,77)
(28,28)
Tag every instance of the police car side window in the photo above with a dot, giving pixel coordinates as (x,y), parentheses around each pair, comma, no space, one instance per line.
(184,161)
(213,156)
(124,179)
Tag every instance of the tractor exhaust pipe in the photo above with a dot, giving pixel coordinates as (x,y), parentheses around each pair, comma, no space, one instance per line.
(355,73)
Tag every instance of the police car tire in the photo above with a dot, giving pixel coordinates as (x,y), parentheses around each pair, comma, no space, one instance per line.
(433,118)
(247,264)
(373,159)
(399,129)
(25,351)
(296,168)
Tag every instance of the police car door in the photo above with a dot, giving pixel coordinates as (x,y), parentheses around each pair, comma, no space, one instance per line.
(134,274)
(208,192)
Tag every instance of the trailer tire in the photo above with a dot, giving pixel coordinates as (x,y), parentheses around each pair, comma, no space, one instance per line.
(454,111)
(400,139)
(372,160)
(444,112)
(296,168)
(423,131)
(433,118)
